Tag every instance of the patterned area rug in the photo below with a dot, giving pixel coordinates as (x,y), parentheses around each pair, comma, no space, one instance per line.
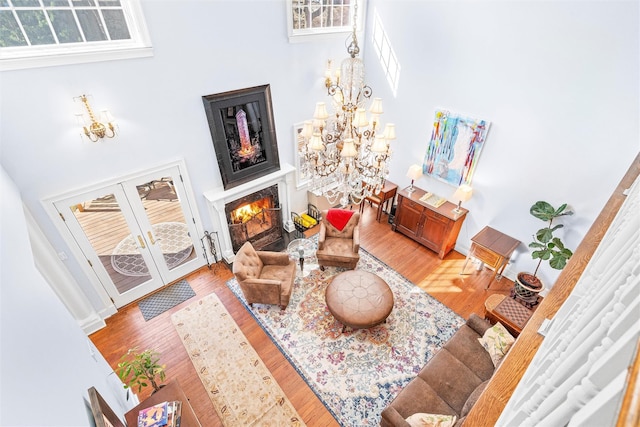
(165,299)
(358,372)
(175,243)
(239,384)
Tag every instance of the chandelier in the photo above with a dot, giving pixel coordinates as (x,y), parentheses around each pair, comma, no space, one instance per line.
(344,154)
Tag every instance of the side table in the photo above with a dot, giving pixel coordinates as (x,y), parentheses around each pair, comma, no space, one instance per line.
(513,315)
(301,249)
(382,199)
(492,248)
(169,392)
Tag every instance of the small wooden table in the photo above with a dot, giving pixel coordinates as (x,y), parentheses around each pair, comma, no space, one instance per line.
(386,194)
(513,315)
(492,248)
(169,392)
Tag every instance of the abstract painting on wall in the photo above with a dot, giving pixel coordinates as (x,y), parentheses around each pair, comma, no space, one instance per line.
(454,148)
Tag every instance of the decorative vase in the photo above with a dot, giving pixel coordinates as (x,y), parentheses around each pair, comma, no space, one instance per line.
(527,285)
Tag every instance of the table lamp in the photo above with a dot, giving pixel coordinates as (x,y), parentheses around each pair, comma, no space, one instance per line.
(462,194)
(414,172)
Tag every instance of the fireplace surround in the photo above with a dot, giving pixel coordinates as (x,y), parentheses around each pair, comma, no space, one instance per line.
(218,199)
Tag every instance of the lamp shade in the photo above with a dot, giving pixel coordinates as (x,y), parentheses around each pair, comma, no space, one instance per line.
(348,148)
(379,144)
(463,193)
(321,112)
(390,131)
(376,106)
(414,172)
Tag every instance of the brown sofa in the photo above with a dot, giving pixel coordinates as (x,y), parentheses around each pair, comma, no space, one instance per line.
(264,277)
(450,383)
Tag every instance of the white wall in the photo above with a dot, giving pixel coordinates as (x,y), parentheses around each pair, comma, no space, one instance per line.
(558,81)
(47,362)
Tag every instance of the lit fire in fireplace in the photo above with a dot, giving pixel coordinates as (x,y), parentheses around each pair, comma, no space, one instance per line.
(247,212)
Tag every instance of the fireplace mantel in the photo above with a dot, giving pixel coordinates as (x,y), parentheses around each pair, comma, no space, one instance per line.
(217,199)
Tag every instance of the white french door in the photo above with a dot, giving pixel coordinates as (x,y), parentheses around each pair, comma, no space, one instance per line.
(137,235)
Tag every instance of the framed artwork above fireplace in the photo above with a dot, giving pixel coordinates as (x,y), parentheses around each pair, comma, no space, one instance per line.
(243,133)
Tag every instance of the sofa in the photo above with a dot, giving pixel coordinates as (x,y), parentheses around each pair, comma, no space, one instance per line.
(450,382)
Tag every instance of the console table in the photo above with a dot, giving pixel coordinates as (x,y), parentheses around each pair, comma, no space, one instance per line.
(437,228)
(169,392)
(492,248)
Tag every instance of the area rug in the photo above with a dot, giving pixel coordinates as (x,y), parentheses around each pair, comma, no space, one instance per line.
(358,372)
(161,301)
(243,391)
(175,243)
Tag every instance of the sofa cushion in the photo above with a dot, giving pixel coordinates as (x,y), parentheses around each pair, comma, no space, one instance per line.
(418,396)
(431,420)
(465,347)
(450,379)
(497,341)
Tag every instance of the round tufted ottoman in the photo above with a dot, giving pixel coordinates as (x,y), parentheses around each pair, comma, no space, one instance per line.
(359,299)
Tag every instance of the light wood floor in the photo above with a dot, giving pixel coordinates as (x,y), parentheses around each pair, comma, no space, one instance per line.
(441,278)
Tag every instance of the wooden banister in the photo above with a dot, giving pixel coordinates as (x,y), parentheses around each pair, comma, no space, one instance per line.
(491,403)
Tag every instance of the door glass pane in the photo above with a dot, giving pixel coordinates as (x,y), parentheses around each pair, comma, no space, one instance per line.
(162,206)
(106,229)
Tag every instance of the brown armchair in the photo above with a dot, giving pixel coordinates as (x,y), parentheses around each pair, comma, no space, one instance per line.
(264,277)
(339,247)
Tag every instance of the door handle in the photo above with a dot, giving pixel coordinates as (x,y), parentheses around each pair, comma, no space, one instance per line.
(151,239)
(141,240)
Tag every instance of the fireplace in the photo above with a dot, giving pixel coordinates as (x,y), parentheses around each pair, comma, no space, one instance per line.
(283,183)
(255,218)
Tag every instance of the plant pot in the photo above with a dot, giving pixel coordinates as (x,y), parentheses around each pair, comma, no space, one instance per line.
(527,285)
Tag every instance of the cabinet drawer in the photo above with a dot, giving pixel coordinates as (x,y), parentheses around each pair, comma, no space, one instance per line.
(483,254)
(408,203)
(434,216)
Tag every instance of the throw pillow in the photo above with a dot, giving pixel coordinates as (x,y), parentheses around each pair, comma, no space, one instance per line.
(497,341)
(431,420)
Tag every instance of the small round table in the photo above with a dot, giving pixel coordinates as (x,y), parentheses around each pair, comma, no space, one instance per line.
(301,249)
(359,299)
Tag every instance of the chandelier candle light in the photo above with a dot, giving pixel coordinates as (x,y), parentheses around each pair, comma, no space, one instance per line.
(93,129)
(345,154)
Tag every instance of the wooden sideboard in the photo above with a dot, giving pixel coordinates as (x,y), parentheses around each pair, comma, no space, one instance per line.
(435,228)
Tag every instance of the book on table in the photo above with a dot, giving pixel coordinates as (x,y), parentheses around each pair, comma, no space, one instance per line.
(165,414)
(433,200)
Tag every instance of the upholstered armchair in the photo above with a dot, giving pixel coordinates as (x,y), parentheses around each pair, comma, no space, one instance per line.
(339,239)
(264,277)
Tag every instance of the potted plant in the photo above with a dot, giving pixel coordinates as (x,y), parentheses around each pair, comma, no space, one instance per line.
(546,247)
(139,369)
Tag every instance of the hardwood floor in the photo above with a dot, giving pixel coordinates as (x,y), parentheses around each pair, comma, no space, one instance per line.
(440,278)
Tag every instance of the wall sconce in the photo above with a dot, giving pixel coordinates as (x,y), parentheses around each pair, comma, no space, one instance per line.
(414,172)
(462,194)
(93,129)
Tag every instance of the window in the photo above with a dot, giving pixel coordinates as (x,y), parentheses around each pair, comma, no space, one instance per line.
(314,18)
(52,32)
(385,53)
